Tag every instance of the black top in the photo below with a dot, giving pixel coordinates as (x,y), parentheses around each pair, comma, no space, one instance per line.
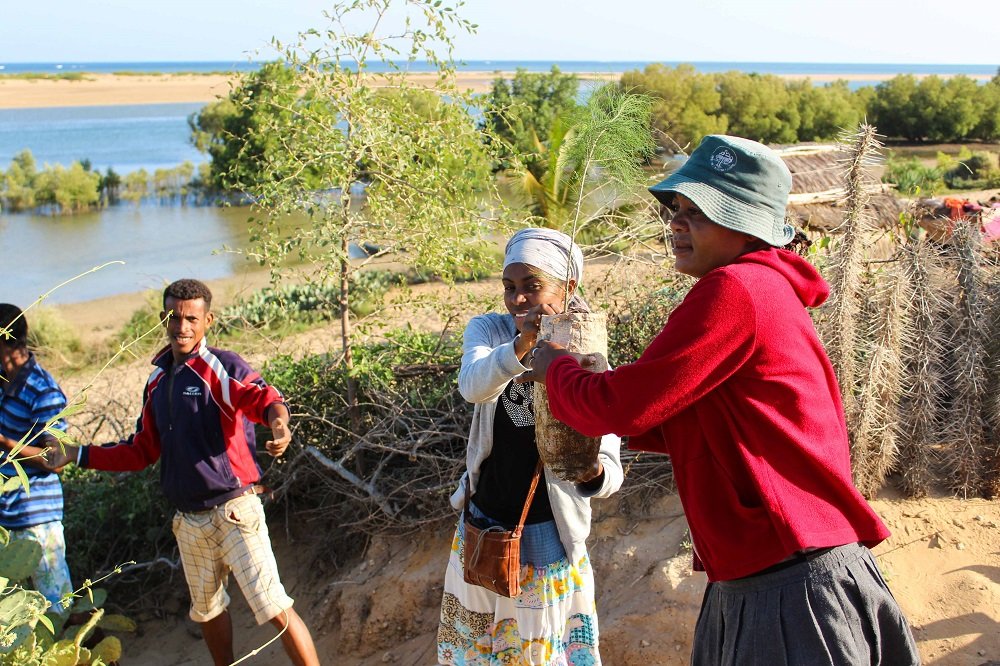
(505,476)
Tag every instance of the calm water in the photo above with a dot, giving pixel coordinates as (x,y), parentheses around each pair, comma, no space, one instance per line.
(158,244)
(126,137)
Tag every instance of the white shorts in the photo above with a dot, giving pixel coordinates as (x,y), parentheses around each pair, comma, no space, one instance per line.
(231,537)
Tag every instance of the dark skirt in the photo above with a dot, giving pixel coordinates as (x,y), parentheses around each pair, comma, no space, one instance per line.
(832,610)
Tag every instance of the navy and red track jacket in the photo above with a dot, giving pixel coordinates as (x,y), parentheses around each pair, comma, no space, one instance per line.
(199,420)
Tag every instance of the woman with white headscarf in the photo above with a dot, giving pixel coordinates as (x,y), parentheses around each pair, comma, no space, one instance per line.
(554,618)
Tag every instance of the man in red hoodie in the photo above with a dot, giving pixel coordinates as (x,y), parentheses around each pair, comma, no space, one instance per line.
(739,391)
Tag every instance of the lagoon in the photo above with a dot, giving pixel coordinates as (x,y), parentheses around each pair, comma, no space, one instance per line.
(157,243)
(125,137)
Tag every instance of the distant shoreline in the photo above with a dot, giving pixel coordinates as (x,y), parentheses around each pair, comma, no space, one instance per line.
(118,89)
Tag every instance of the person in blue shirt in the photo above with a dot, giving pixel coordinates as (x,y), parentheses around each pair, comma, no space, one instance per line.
(29,399)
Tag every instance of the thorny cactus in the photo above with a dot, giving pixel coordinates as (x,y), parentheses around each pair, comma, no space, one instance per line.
(964,439)
(847,268)
(874,433)
(992,461)
(922,358)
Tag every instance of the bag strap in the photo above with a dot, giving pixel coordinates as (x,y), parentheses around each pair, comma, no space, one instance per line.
(527,502)
(531,496)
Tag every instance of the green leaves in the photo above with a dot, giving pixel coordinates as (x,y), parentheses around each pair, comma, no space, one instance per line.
(517,113)
(19,559)
(937,109)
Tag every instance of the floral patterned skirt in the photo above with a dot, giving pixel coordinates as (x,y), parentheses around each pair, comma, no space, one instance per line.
(552,622)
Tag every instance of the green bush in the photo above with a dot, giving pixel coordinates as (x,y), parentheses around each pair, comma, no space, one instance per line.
(49,332)
(307,303)
(911,176)
(128,511)
(318,383)
(975,170)
(632,329)
(405,442)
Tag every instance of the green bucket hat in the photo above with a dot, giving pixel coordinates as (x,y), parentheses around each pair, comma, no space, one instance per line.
(739,184)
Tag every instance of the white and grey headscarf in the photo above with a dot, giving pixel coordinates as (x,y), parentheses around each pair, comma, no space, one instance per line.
(550,251)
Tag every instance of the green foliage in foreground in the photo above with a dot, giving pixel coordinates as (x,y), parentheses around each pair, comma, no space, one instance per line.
(32,634)
(129,510)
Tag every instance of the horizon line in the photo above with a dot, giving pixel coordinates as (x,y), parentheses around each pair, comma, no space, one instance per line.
(518,60)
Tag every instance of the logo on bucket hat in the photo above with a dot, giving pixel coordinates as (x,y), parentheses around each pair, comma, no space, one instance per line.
(723,159)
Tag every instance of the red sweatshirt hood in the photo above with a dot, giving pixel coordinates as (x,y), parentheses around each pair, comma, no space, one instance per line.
(805,280)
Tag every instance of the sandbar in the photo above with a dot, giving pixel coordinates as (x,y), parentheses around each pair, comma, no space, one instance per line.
(116,89)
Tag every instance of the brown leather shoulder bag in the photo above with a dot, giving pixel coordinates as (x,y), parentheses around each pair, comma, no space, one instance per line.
(492,557)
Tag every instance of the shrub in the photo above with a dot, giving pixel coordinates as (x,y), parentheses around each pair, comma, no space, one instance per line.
(976,170)
(630,330)
(392,465)
(128,511)
(911,176)
(49,332)
(307,303)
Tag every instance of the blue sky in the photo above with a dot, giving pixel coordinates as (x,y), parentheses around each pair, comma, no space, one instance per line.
(897,31)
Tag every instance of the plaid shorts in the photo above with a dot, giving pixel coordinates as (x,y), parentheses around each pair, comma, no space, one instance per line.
(231,537)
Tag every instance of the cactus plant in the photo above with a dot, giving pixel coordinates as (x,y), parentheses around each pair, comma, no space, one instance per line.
(29,638)
(19,559)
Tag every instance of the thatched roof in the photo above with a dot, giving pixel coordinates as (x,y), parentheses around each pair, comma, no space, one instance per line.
(817,196)
(814,168)
(885,208)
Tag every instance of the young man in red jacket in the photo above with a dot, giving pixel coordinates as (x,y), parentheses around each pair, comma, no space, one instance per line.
(198,411)
(739,391)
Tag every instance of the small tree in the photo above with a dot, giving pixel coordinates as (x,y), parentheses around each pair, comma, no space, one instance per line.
(390,170)
(232,130)
(17,190)
(593,166)
(758,106)
(523,113)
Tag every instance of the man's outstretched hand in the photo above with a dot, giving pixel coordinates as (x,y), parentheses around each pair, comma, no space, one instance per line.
(281,436)
(56,458)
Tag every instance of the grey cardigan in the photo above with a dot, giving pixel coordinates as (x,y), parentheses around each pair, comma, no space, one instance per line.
(489,362)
